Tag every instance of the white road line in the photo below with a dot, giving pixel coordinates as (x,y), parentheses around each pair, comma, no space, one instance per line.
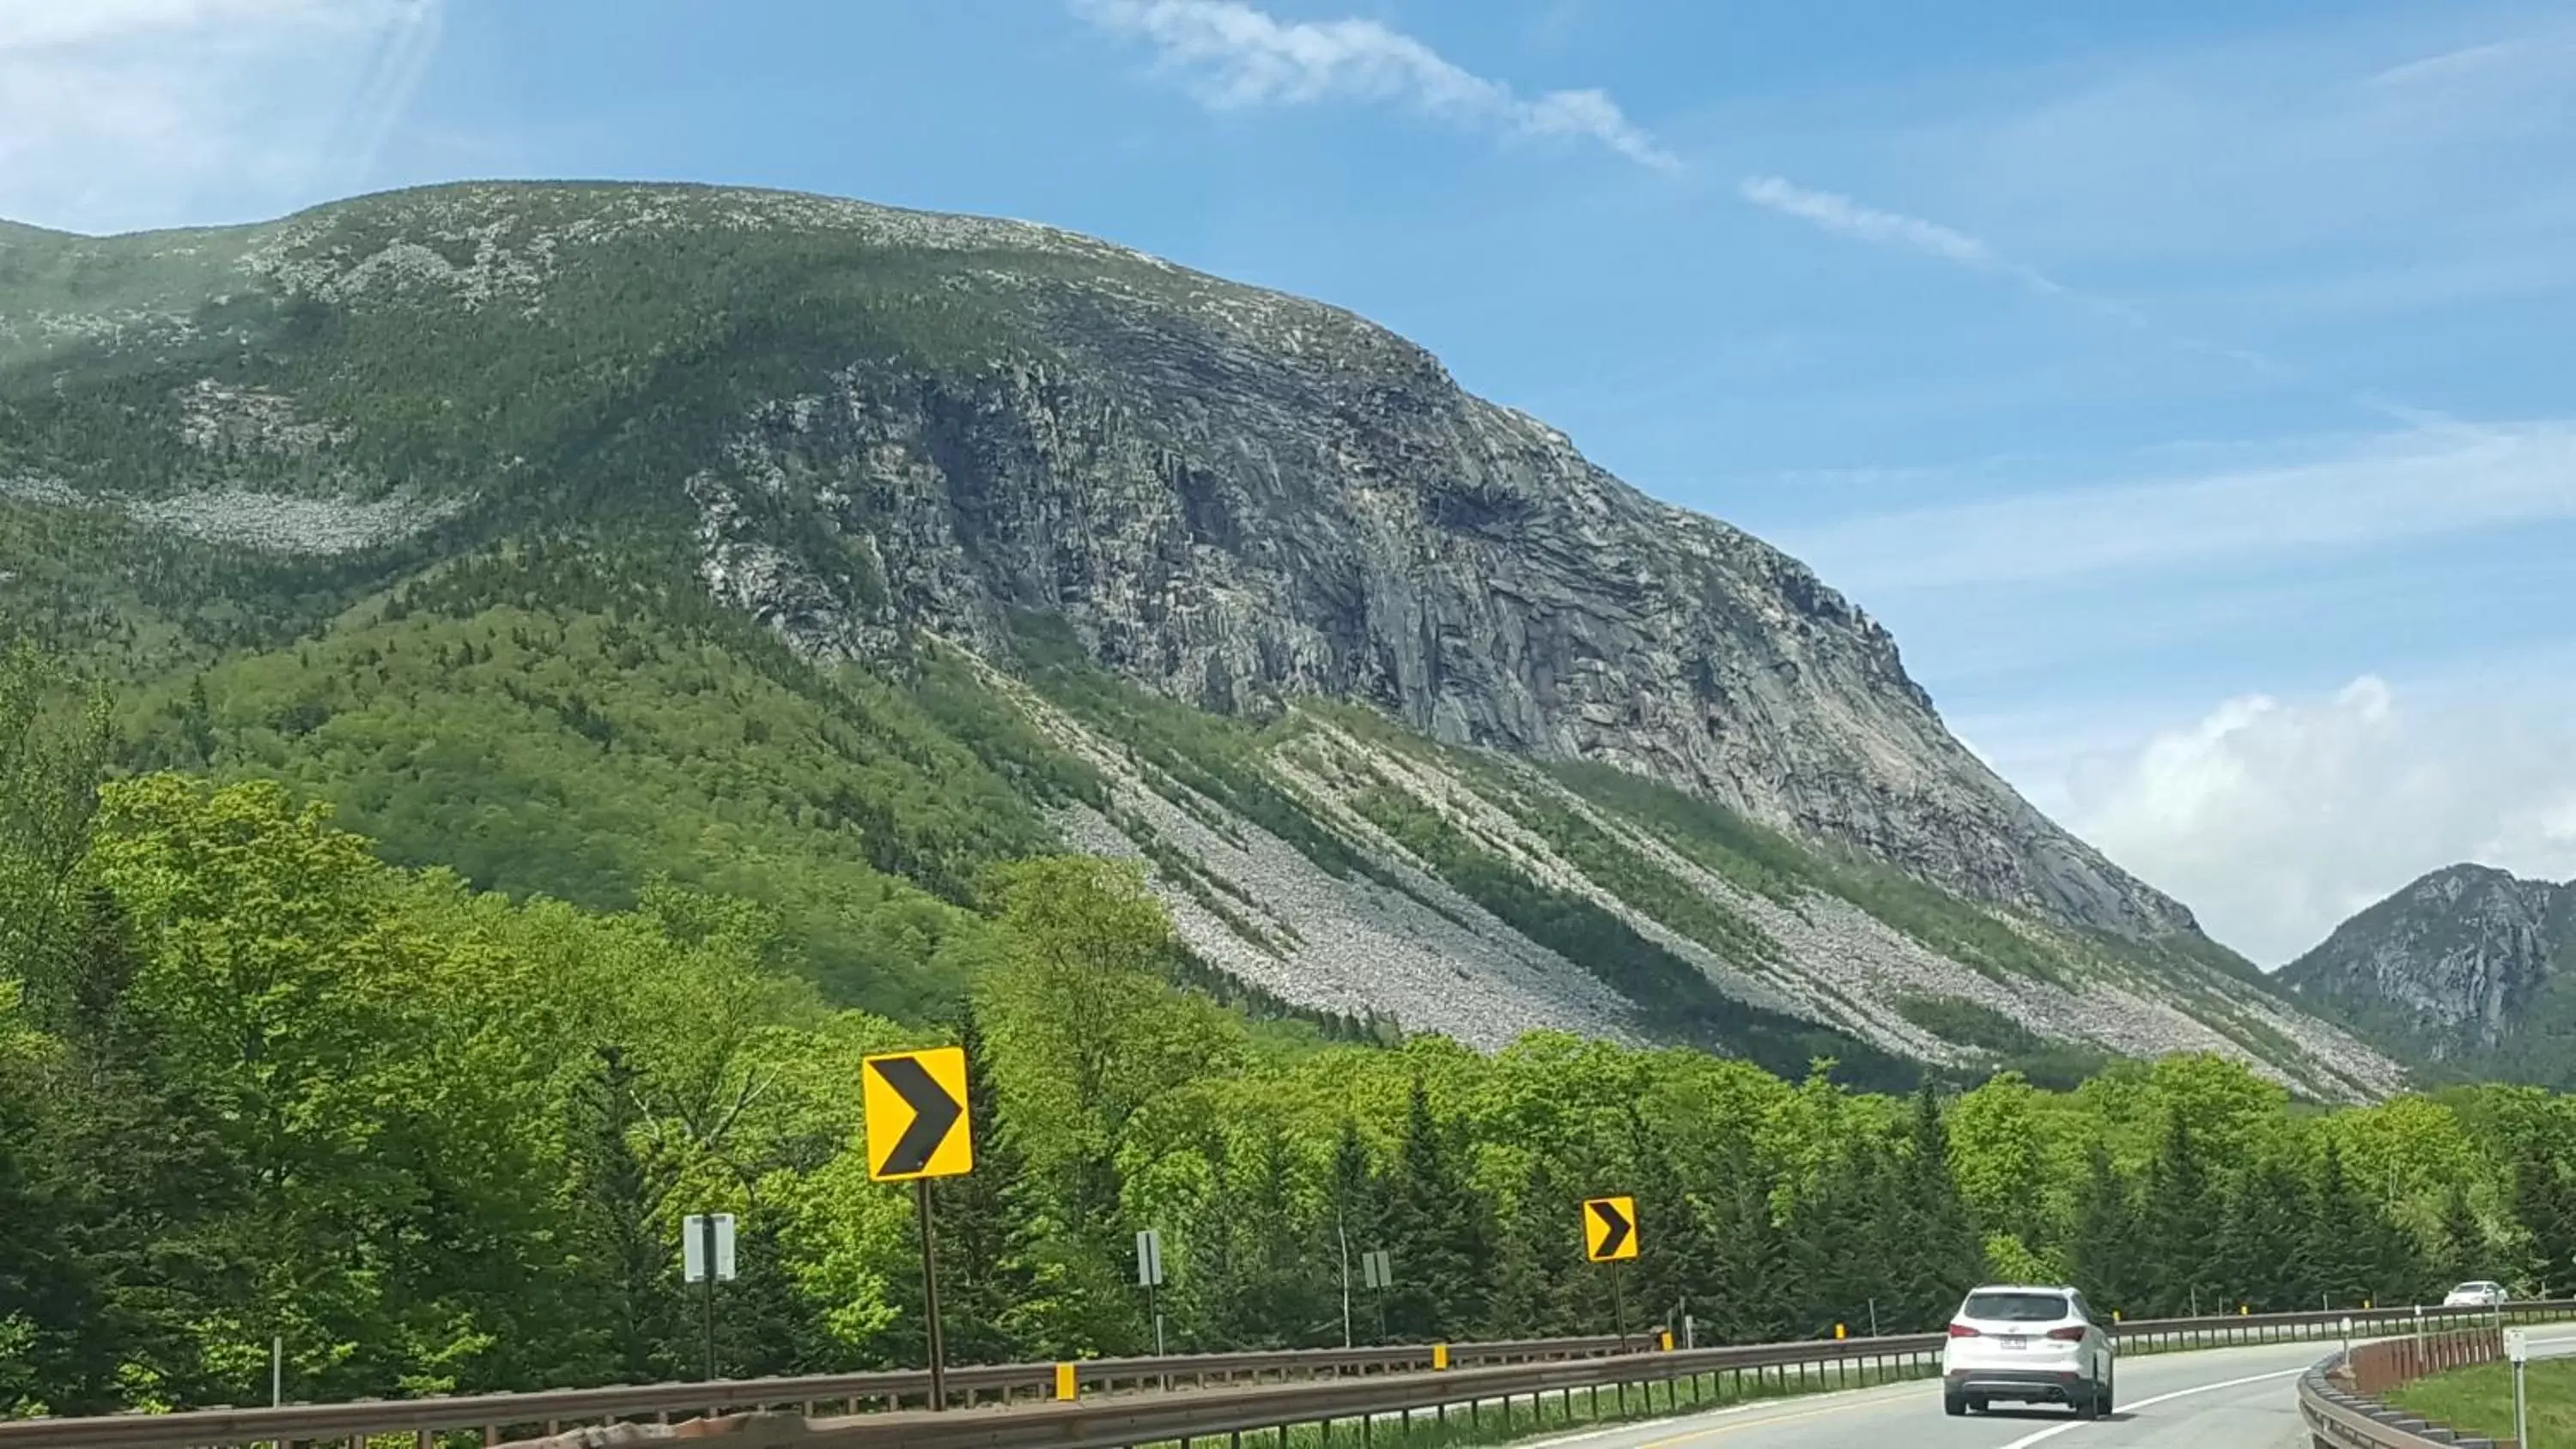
(2052,1431)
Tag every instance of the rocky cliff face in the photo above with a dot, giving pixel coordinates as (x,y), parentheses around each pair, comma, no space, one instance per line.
(2450,964)
(1238,498)
(882,432)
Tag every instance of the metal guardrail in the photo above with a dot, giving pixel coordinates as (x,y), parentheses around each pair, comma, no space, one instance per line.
(2339,1398)
(1173,1418)
(494,1415)
(1211,1393)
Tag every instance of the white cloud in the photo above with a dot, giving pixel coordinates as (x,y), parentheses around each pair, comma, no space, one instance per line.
(1239,56)
(1845,216)
(117,114)
(2402,486)
(2278,819)
(2451,65)
(1867,223)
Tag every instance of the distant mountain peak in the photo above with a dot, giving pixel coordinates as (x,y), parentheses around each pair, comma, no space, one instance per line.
(2457,964)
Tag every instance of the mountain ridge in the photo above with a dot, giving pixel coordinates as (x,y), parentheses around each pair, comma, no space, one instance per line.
(2467,964)
(868,428)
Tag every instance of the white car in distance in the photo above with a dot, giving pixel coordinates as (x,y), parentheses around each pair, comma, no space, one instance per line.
(2030,1345)
(2480,1294)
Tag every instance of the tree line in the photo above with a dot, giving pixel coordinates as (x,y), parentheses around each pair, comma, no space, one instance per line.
(255,1082)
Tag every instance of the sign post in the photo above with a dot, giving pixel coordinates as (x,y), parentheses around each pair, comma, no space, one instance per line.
(706,1256)
(917,1130)
(2517,1348)
(1610,1236)
(1380,1277)
(1344,1234)
(1149,1273)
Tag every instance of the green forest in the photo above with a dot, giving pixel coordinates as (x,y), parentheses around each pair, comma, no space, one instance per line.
(260,1077)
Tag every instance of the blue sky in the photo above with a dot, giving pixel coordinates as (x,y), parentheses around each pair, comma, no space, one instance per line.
(2189,386)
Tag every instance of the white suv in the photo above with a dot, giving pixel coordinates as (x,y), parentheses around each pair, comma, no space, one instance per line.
(2029,1345)
(2480,1294)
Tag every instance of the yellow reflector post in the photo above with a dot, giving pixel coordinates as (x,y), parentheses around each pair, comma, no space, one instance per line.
(1064,1381)
(1440,1355)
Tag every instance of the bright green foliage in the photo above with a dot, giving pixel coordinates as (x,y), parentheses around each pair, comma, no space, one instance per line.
(257,1082)
(2479,1400)
(579,754)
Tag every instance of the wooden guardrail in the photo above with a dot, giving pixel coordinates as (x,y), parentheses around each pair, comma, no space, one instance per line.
(2341,1414)
(2341,1398)
(1208,1393)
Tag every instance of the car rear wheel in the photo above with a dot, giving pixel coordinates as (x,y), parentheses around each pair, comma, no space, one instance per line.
(2107,1398)
(2088,1403)
(1954,1404)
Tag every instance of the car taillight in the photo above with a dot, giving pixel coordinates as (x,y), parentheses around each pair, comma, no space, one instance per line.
(2069,1334)
(1961,1330)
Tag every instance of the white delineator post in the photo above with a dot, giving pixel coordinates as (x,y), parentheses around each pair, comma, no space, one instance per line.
(2517,1351)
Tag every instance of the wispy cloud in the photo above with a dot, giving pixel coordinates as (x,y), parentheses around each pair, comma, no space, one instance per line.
(2449,65)
(1867,223)
(1237,56)
(1845,216)
(129,113)
(2409,486)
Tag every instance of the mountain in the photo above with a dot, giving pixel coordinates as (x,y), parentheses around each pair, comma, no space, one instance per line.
(570,534)
(2468,966)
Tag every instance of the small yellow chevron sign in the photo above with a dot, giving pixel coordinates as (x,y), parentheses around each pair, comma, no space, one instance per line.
(1610,1229)
(916,1109)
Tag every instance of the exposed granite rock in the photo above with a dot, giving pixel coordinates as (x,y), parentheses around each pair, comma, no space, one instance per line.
(1238,527)
(274,522)
(1236,498)
(2450,961)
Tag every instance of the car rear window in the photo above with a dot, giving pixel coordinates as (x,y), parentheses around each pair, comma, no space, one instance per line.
(2016,1307)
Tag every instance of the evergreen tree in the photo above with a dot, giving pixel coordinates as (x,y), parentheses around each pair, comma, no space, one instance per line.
(618,1201)
(1535,1255)
(1286,1287)
(2460,1242)
(1838,1238)
(43,1282)
(764,1325)
(983,1226)
(2401,1271)
(1749,1294)
(1353,1194)
(2104,1248)
(1931,1240)
(1674,1242)
(1435,1232)
(2260,1241)
(2178,1222)
(2335,1259)
(2546,1210)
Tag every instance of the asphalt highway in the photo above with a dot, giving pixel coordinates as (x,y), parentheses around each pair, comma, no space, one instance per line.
(2230,1398)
